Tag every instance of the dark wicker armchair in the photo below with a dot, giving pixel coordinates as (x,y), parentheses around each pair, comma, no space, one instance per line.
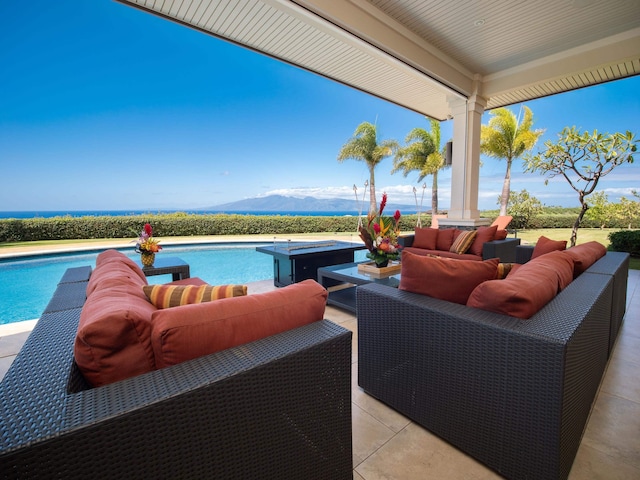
(275,408)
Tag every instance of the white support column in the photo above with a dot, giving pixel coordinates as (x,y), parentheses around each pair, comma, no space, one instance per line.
(465,166)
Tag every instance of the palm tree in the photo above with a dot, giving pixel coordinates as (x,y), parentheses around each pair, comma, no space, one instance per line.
(364,146)
(422,154)
(506,138)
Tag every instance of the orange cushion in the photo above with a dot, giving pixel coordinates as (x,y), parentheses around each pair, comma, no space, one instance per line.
(483,235)
(445,239)
(114,255)
(167,296)
(113,341)
(425,238)
(444,278)
(500,235)
(191,331)
(585,255)
(102,276)
(546,245)
(527,289)
(463,241)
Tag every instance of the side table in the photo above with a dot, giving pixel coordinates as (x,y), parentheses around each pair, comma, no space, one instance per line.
(175,266)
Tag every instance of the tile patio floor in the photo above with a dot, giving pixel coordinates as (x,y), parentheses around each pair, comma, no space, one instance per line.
(386,445)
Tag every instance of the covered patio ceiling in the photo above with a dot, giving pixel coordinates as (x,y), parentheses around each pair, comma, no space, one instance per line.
(426,55)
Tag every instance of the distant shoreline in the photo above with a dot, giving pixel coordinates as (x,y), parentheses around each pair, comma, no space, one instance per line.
(23,215)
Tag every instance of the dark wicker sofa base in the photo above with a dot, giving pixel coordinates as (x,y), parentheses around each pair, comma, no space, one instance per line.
(275,408)
(514,394)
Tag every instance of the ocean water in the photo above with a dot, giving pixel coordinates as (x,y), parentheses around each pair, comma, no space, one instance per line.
(118,213)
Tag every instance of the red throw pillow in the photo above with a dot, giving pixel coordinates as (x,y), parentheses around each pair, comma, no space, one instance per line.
(190,331)
(546,245)
(484,234)
(425,238)
(444,278)
(445,239)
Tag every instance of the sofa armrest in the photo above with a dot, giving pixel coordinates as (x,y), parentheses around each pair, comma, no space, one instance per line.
(523,253)
(290,392)
(505,249)
(406,240)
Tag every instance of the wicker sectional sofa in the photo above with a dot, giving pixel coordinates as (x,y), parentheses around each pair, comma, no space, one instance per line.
(279,407)
(514,394)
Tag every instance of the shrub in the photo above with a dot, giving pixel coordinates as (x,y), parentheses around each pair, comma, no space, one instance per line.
(625,241)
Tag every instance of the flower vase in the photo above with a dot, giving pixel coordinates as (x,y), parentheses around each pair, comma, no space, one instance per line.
(381,263)
(147,259)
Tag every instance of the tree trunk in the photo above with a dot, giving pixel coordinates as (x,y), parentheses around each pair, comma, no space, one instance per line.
(434,194)
(373,205)
(576,225)
(506,189)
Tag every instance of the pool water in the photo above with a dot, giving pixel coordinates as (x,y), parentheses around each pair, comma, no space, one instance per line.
(27,284)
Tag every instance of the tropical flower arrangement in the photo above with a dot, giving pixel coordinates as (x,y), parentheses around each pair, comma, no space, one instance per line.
(380,235)
(146,243)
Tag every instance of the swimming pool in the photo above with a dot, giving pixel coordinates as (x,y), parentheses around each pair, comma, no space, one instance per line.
(27,284)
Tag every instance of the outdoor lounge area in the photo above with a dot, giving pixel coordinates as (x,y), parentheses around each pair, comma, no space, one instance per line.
(385,444)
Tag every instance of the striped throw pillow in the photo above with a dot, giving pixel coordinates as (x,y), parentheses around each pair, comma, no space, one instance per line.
(166,296)
(462,243)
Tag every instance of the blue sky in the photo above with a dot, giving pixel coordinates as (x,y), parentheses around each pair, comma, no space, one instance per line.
(103,107)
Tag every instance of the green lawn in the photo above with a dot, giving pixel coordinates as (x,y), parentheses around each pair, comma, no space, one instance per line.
(584,235)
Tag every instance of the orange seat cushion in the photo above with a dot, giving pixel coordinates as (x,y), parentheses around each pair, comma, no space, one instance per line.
(191,331)
(444,278)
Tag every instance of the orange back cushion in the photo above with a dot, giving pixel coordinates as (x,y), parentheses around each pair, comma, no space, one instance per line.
(527,289)
(484,234)
(444,278)
(546,245)
(113,341)
(426,238)
(191,331)
(585,255)
(445,239)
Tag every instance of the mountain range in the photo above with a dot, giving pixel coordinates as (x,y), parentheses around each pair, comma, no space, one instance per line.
(284,204)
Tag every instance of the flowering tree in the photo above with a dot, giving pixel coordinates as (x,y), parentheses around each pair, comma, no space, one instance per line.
(582,159)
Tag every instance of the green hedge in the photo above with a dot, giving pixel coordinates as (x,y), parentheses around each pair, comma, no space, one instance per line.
(625,241)
(176,225)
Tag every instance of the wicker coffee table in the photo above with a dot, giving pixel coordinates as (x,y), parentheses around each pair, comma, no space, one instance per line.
(349,277)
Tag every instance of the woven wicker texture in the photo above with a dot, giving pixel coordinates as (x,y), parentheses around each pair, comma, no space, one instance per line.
(514,394)
(275,408)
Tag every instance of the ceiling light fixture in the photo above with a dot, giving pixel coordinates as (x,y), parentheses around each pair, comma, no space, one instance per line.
(479,22)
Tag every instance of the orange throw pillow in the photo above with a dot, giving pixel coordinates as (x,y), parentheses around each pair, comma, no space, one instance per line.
(463,241)
(180,334)
(444,278)
(546,245)
(167,296)
(484,234)
(445,239)
(426,238)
